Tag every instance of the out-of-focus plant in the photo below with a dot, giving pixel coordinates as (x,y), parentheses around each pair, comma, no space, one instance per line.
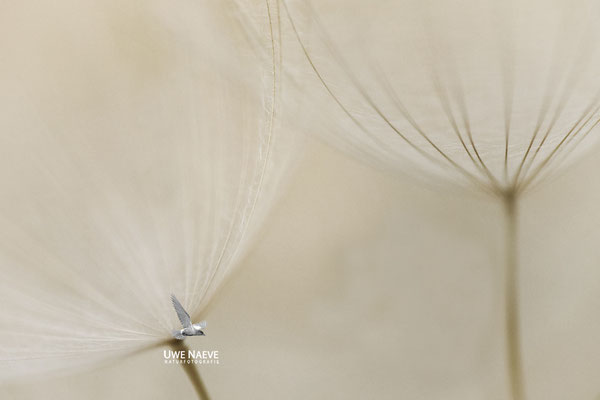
(140,149)
(490,95)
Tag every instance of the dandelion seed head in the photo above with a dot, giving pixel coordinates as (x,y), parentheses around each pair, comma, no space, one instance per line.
(141,164)
(485,93)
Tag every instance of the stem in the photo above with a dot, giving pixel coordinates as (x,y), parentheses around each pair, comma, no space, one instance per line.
(512,324)
(191,371)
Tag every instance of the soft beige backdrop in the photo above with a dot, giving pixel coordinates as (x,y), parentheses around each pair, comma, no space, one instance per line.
(363,286)
(360,285)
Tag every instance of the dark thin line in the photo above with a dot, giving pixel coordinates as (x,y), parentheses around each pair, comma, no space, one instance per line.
(507,60)
(375,108)
(573,131)
(538,126)
(507,125)
(442,94)
(442,97)
(465,116)
(547,98)
(406,114)
(564,98)
(567,135)
(445,103)
(571,77)
(540,167)
(533,183)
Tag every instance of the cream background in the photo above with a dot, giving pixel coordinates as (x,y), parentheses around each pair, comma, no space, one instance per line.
(365,286)
(360,284)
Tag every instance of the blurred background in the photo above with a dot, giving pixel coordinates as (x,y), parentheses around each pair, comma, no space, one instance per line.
(361,283)
(366,286)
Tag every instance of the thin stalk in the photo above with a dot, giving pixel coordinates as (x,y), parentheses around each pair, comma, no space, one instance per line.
(511,298)
(191,371)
